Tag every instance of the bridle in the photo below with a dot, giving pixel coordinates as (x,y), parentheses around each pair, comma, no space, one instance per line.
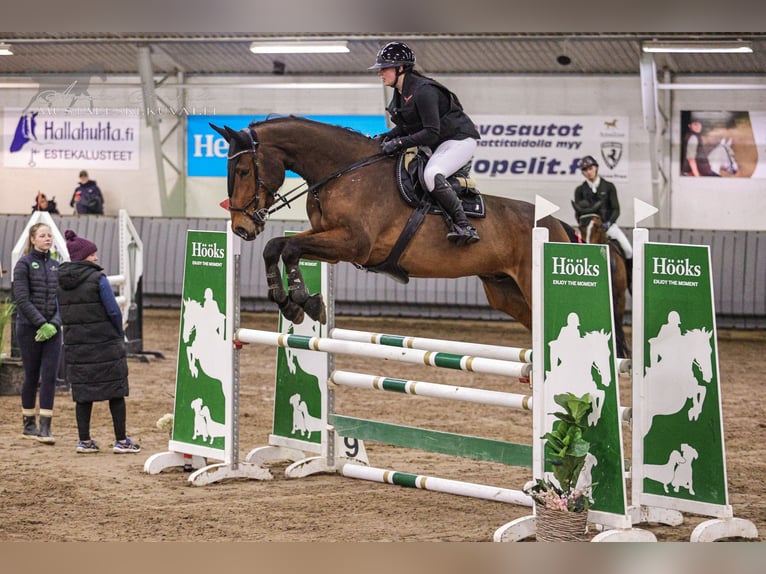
(257,216)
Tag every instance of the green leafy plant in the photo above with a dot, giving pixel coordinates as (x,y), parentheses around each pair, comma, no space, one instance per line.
(6,311)
(566,450)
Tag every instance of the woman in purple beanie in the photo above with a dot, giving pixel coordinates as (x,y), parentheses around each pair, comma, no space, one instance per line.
(94,343)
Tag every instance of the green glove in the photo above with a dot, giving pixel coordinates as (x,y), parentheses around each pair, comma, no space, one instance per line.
(45,332)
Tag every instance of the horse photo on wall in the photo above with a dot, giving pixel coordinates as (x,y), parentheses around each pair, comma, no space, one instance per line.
(717,144)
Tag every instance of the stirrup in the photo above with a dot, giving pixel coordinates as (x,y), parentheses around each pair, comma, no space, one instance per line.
(463,234)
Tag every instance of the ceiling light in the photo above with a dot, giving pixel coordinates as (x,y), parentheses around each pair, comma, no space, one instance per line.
(298,47)
(710,47)
(5,49)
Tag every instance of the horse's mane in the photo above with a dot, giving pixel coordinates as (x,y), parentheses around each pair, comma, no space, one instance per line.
(274,119)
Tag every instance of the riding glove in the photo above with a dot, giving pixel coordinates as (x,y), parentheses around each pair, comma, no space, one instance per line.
(45,332)
(391,147)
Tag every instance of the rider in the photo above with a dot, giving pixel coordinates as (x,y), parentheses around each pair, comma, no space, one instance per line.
(599,196)
(695,162)
(566,342)
(426,113)
(216,319)
(668,334)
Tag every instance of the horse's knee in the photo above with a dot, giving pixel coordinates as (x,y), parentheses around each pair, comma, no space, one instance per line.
(273,250)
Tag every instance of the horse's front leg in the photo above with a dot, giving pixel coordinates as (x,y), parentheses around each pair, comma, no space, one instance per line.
(271,254)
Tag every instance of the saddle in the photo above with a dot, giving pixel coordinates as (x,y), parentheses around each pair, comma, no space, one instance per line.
(409,179)
(412,187)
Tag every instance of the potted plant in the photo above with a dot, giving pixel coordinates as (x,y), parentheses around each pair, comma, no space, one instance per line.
(562,509)
(6,312)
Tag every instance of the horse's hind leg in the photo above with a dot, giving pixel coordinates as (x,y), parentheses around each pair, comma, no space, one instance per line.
(271,254)
(503,294)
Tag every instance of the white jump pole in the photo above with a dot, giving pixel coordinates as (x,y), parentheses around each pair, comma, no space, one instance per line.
(434,390)
(435,484)
(515,354)
(416,356)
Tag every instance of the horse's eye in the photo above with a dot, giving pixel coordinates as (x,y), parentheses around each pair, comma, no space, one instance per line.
(243,172)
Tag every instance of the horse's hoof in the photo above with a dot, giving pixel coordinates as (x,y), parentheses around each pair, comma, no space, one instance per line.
(292,312)
(315,308)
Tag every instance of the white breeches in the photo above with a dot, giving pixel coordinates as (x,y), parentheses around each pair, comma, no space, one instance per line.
(449,157)
(616,233)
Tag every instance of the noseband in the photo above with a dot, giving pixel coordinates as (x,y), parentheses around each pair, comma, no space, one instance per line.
(257,216)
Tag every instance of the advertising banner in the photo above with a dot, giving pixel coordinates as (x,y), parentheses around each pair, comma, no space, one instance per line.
(206,147)
(55,139)
(205,362)
(301,378)
(683,450)
(545,147)
(579,357)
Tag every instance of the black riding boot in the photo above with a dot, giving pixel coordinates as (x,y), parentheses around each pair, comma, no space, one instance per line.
(461,232)
(30,427)
(45,431)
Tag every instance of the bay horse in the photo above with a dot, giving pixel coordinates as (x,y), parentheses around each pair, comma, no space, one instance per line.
(357,214)
(592,230)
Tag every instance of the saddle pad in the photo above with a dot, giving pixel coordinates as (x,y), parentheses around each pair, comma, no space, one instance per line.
(409,171)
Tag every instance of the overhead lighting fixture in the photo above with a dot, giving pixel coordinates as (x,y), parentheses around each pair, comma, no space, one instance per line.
(710,47)
(298,47)
(5,49)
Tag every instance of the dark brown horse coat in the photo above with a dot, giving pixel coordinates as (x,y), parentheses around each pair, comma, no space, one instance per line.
(358,216)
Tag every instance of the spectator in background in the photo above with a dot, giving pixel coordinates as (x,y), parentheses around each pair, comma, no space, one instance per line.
(42,203)
(38,329)
(95,358)
(87,196)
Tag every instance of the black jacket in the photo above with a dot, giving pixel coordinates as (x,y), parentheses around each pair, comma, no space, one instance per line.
(94,350)
(91,200)
(35,282)
(428,114)
(604,202)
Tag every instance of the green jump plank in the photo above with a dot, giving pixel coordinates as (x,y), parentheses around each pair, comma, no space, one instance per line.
(434,441)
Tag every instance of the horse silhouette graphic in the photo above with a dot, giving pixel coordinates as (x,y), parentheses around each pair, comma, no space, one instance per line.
(205,324)
(573,357)
(671,379)
(25,131)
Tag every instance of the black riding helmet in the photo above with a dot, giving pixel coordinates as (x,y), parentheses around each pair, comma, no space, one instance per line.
(393,55)
(587,162)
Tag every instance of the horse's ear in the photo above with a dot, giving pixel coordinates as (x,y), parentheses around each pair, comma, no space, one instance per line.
(232,133)
(221,131)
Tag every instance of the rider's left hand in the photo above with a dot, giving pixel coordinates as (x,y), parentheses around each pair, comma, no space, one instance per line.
(391,147)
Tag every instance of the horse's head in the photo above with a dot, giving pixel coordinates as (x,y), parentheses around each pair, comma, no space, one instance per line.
(598,343)
(721,158)
(698,341)
(592,228)
(252,181)
(189,318)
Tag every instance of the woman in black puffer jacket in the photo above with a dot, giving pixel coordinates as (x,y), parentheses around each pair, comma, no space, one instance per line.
(38,329)
(94,343)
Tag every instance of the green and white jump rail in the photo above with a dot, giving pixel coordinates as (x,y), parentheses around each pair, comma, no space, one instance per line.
(416,356)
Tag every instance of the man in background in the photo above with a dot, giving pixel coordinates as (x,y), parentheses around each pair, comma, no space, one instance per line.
(87,198)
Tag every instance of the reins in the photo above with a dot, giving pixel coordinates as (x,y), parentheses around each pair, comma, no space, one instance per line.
(259,216)
(286,200)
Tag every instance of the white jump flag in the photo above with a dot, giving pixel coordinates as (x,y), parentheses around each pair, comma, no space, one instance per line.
(544,208)
(642,210)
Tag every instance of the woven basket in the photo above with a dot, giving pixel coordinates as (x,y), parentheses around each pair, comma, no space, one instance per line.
(560,526)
